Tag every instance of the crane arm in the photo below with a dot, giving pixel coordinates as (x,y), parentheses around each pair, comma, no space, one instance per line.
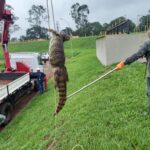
(6,17)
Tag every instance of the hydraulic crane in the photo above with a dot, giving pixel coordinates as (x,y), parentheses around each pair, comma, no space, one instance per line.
(6,17)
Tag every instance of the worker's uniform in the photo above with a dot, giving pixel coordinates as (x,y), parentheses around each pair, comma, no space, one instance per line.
(2,119)
(144,51)
(41,76)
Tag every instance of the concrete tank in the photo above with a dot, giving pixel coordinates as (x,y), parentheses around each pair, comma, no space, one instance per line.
(111,49)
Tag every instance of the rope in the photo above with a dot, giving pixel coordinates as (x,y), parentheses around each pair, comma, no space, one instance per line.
(77,146)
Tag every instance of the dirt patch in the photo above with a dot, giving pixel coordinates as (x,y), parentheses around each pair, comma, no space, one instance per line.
(50,145)
(46,137)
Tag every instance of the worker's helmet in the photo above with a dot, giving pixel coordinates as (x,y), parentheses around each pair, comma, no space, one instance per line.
(38,69)
(65,35)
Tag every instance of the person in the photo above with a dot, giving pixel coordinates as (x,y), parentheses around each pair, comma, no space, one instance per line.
(2,119)
(144,51)
(40,77)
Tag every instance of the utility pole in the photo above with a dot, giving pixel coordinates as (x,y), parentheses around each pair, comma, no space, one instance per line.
(53,14)
(57,26)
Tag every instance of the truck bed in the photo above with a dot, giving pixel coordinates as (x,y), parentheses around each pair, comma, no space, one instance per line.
(9,82)
(4,82)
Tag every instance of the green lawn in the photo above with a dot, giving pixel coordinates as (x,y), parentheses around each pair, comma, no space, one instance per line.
(106,116)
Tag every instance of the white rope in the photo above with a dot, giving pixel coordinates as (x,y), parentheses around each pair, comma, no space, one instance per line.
(77,146)
(91,83)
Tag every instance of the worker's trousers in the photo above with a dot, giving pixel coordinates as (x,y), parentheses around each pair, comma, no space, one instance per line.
(148,91)
(41,87)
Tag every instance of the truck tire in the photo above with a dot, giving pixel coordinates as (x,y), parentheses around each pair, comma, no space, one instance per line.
(6,109)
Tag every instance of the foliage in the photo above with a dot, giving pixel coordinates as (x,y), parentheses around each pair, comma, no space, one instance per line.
(132,26)
(93,28)
(37,32)
(2,66)
(37,15)
(144,22)
(118,21)
(79,13)
(23,38)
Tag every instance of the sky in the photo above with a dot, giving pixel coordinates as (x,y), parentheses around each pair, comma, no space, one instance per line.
(102,11)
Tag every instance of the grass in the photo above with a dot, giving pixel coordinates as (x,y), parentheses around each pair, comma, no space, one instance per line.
(106,116)
(2,66)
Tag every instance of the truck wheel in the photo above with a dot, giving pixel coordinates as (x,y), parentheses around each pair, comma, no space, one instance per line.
(6,109)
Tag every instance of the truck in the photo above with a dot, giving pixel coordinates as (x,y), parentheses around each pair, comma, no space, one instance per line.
(20,74)
(12,87)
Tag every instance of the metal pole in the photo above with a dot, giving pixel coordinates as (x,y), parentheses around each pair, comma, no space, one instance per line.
(53,14)
(86,86)
(48,14)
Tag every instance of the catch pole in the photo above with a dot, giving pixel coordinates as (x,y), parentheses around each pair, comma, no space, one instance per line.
(91,83)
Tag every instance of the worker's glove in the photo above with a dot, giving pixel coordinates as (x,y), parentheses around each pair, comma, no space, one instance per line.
(120,65)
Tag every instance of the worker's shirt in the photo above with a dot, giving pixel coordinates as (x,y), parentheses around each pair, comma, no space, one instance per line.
(40,76)
(144,51)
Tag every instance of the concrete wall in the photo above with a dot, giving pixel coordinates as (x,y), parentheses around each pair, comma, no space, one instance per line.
(114,48)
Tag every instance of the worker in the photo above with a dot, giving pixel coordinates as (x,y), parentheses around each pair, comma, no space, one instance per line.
(144,51)
(2,119)
(40,77)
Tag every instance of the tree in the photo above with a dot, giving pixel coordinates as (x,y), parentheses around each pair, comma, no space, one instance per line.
(93,28)
(96,28)
(118,21)
(105,26)
(132,26)
(37,32)
(23,38)
(37,15)
(79,13)
(144,22)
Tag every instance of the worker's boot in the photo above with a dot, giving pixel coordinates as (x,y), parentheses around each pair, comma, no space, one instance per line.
(148,111)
